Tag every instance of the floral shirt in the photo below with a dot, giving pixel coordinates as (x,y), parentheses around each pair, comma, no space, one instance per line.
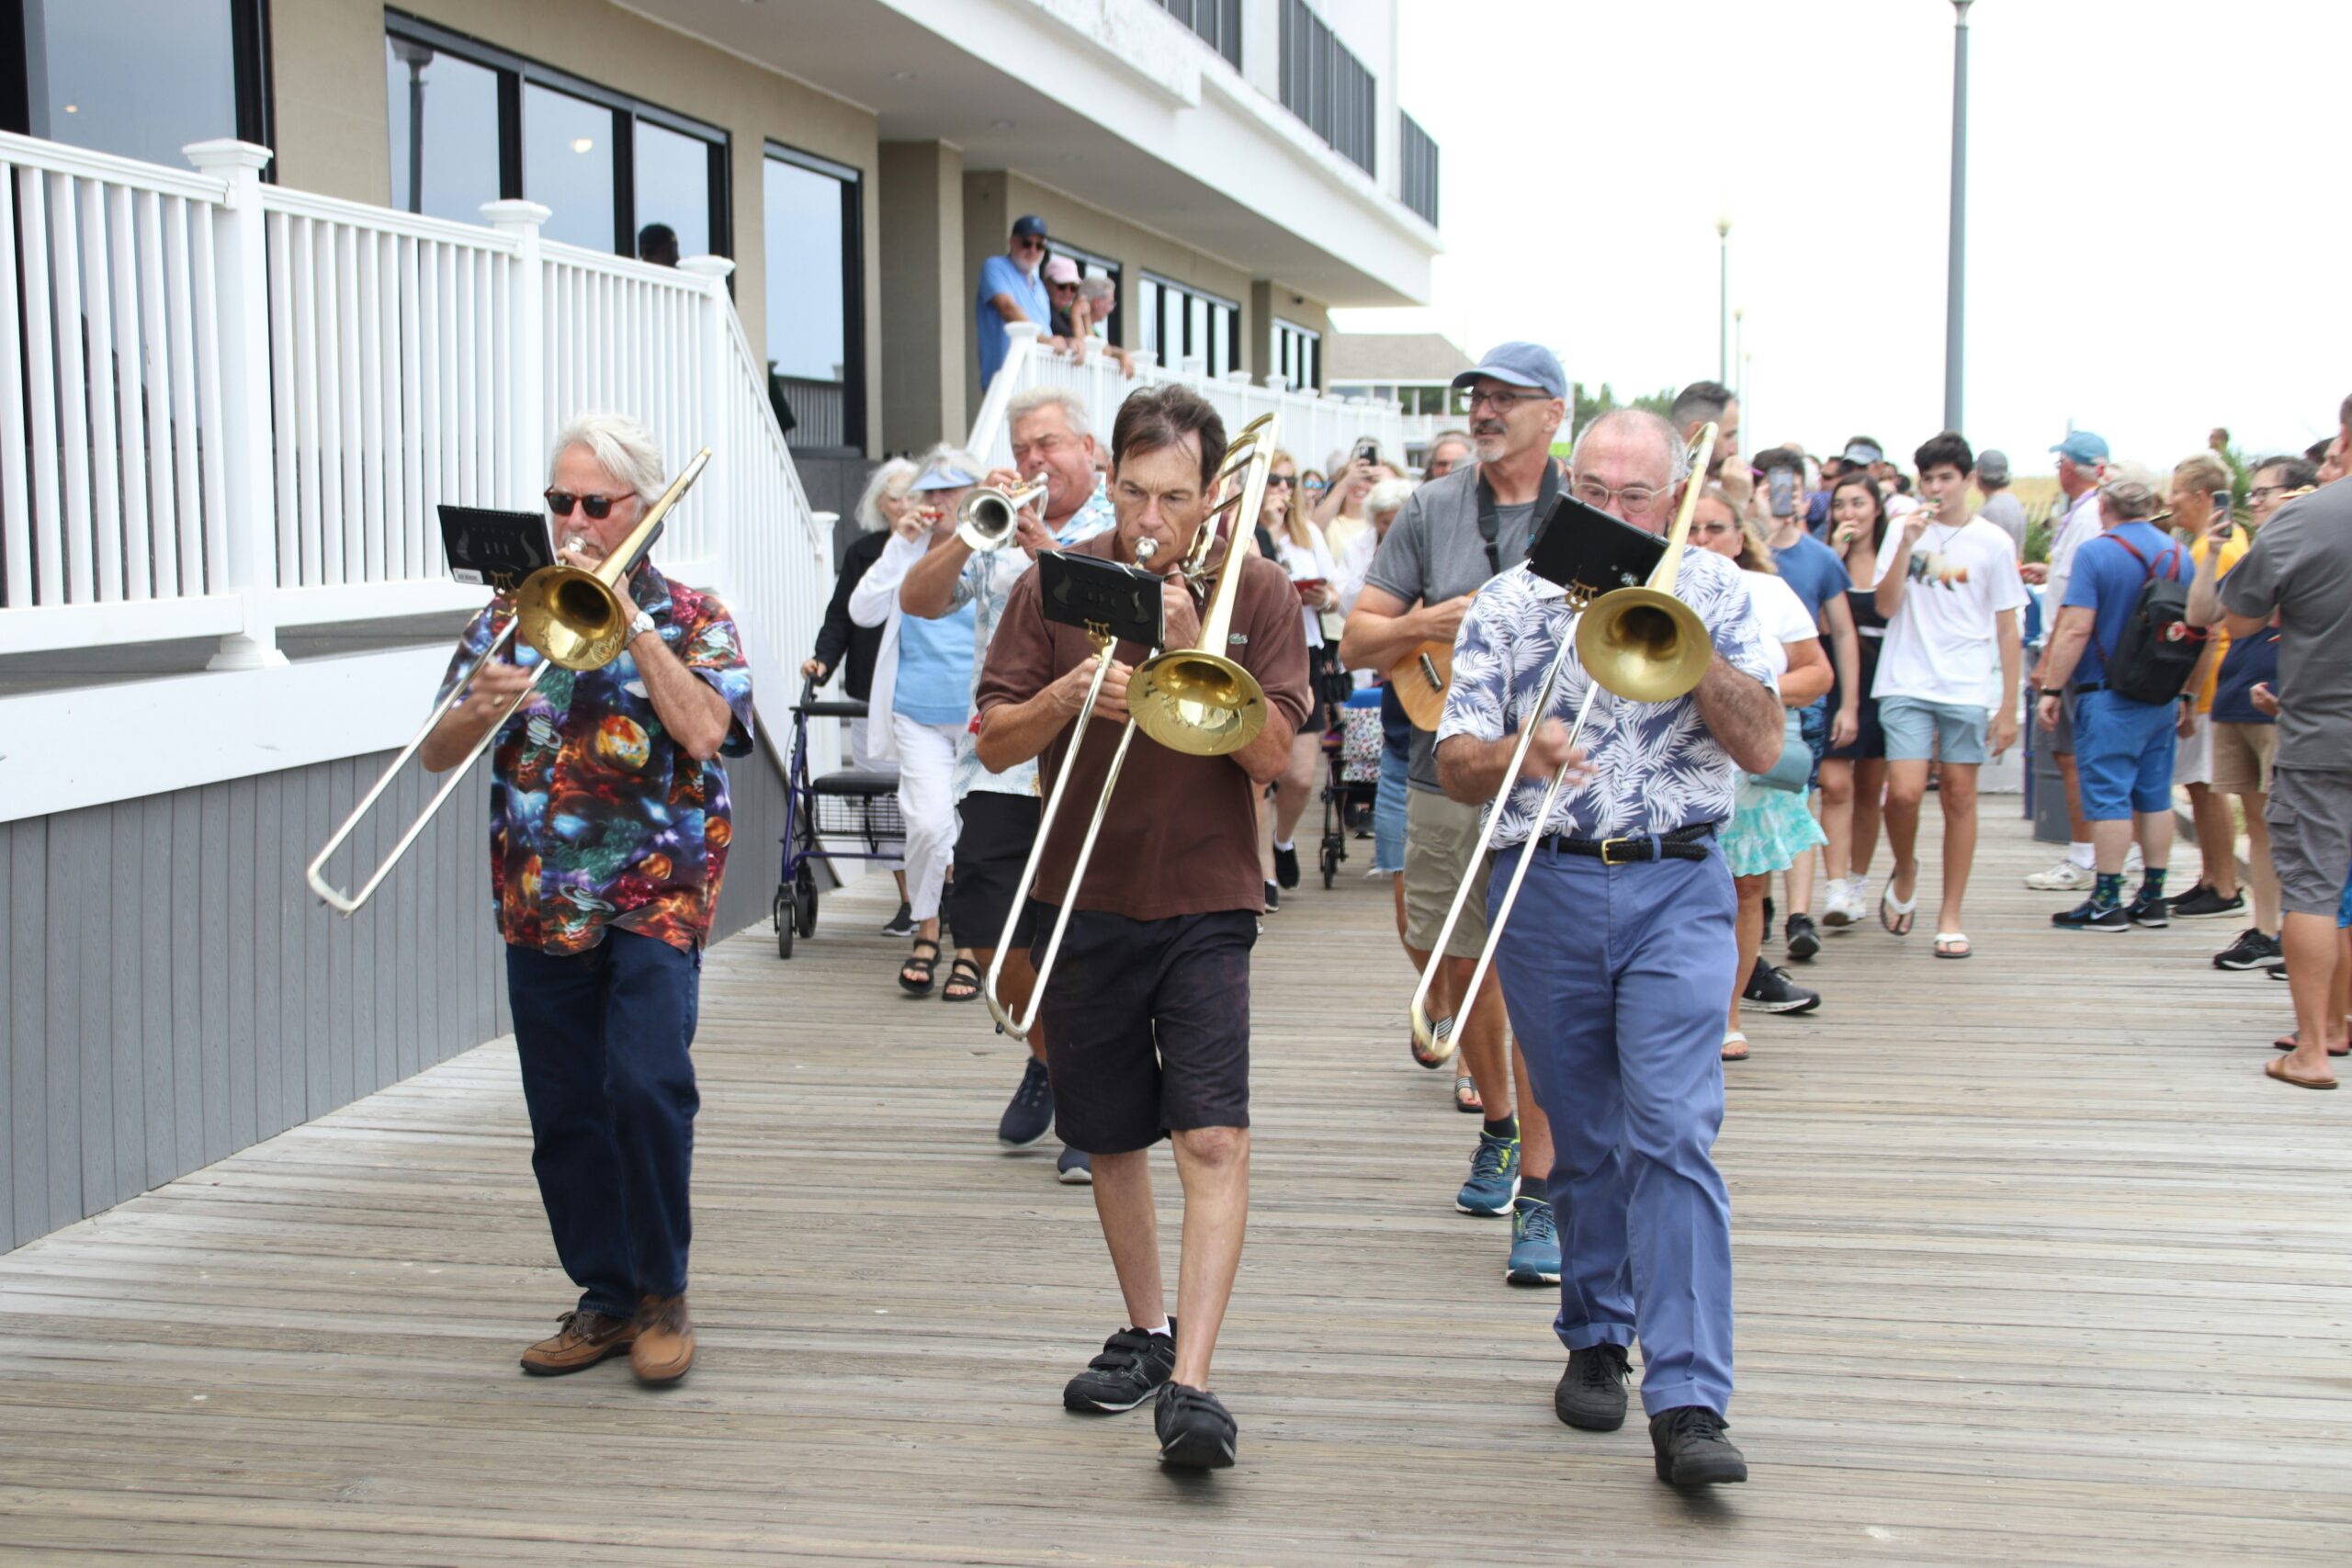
(597,817)
(1655,765)
(985,583)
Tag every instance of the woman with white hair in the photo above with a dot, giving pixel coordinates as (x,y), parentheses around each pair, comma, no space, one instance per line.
(921,697)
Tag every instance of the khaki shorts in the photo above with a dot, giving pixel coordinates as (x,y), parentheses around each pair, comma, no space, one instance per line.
(2242,754)
(1439,836)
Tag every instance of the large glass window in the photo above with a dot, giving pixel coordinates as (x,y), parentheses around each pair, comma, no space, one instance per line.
(815,269)
(1298,354)
(672,184)
(1179,321)
(568,166)
(139,78)
(444,114)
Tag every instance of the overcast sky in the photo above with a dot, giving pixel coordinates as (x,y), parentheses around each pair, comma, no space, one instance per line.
(2143,258)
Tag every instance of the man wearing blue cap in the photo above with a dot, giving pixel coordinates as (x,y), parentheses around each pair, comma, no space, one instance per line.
(1451,536)
(1012,289)
(2082,468)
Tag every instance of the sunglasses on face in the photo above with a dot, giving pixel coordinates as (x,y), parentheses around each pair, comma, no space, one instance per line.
(598,507)
(1280,481)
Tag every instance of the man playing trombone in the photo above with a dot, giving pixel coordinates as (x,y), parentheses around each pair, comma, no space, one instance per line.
(1147,1016)
(1615,968)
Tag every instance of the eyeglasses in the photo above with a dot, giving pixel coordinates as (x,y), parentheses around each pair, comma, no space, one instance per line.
(1503,402)
(1638,500)
(1280,481)
(1057,287)
(2259,492)
(598,507)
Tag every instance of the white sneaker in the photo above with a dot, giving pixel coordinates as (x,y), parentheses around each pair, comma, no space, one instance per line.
(2133,864)
(1842,909)
(2063,877)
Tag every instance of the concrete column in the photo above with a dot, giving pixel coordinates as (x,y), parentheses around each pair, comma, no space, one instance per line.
(927,355)
(1258,332)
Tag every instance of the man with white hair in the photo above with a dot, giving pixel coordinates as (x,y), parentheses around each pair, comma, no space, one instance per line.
(1449,449)
(1097,297)
(605,900)
(997,814)
(2082,468)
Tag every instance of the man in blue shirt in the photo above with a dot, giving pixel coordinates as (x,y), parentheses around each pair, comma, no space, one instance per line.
(2124,750)
(1012,289)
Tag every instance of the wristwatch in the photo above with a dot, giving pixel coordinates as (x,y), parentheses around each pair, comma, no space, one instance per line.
(2054,692)
(639,624)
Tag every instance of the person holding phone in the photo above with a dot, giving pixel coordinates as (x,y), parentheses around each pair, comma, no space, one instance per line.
(1298,549)
(1340,511)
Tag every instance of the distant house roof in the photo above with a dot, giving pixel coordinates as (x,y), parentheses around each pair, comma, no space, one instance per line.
(1384,358)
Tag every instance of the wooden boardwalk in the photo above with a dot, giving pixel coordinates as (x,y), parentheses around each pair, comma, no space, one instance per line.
(2033,1266)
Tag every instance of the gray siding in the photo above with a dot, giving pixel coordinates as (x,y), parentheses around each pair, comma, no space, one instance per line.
(171,992)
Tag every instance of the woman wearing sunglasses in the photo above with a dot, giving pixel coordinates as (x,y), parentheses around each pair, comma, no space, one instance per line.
(1298,549)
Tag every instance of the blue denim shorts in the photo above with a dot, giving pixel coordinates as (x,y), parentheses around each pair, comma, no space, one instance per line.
(2123,753)
(1917,729)
(1388,814)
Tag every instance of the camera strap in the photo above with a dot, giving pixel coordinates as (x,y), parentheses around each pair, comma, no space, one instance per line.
(1490,520)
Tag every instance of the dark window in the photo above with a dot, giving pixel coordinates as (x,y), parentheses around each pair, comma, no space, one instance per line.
(1417,167)
(815,312)
(1217,21)
(444,115)
(568,166)
(1180,321)
(137,78)
(1298,354)
(1325,85)
(1093,266)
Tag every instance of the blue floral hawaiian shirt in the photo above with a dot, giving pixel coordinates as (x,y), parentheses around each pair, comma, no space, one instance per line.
(1655,765)
(597,817)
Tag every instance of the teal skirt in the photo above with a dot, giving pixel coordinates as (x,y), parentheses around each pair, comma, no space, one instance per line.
(1768,831)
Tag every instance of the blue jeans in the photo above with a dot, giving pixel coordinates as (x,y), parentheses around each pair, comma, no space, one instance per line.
(604,1037)
(1388,812)
(1615,978)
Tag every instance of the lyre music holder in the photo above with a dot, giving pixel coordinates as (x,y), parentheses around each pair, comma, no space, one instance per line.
(495,550)
(1111,603)
(1590,553)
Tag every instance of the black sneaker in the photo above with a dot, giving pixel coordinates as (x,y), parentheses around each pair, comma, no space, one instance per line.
(902,923)
(2203,903)
(1075,1168)
(1692,1449)
(1803,939)
(2090,915)
(1031,1110)
(2251,951)
(2147,910)
(1274,897)
(1768,911)
(1133,1362)
(1286,865)
(1769,989)
(1592,1395)
(1196,1432)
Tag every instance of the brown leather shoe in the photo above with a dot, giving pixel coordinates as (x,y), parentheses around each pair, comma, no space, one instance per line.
(581,1340)
(664,1346)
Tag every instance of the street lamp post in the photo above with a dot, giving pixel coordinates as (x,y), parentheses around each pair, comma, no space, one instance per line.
(1955,277)
(1723,298)
(1739,353)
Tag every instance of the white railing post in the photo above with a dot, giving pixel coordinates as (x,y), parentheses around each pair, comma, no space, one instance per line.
(527,328)
(1021,342)
(241,306)
(716,510)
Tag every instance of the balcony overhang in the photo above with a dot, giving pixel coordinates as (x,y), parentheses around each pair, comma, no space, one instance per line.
(1110,101)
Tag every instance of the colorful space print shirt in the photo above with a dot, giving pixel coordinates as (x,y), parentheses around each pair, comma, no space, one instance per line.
(597,817)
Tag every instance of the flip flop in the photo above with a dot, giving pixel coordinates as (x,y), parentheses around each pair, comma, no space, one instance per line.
(2277,1068)
(1946,939)
(1895,914)
(2288,1042)
(1735,1046)
(1440,1050)
(1466,1096)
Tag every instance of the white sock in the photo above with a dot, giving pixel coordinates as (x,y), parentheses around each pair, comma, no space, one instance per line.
(1163,1331)
(2080,855)
(1286,845)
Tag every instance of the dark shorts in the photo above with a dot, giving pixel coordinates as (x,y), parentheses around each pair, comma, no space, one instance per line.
(1812,723)
(1869,744)
(1147,1026)
(993,836)
(2310,812)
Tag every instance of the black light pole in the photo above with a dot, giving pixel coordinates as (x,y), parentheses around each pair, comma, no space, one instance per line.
(1956,273)
(416,57)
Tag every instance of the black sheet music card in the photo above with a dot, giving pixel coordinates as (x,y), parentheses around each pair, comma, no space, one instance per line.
(495,550)
(1101,596)
(1585,549)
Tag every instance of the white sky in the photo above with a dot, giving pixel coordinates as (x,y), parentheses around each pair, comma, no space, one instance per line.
(2156,237)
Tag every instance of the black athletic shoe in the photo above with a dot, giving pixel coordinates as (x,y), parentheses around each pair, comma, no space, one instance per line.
(1031,1110)
(1692,1449)
(2251,951)
(1287,866)
(2092,915)
(2203,903)
(1133,1362)
(1196,1432)
(1768,911)
(1075,1168)
(1592,1395)
(902,923)
(1274,897)
(1771,990)
(1803,939)
(2147,911)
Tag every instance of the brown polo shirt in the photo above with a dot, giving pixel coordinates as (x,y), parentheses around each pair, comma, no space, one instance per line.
(1181,837)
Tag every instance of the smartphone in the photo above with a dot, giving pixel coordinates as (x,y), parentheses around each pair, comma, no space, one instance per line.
(1367,451)
(1784,485)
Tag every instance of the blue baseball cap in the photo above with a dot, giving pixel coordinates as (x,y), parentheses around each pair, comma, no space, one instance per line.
(1029,226)
(2081,447)
(1521,365)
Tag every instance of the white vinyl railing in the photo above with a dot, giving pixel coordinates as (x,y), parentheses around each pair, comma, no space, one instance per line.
(1313,427)
(231,407)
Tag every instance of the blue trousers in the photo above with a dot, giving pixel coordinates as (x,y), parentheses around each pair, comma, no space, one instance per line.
(604,1037)
(1616,979)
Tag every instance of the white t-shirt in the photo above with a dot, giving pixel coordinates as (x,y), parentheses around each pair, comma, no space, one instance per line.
(2083,522)
(1306,562)
(1781,614)
(1940,646)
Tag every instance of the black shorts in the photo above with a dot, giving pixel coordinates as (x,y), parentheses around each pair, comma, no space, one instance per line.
(993,836)
(1147,1026)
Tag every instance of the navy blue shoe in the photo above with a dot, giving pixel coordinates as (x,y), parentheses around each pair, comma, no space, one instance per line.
(1534,1244)
(1075,1168)
(1494,1178)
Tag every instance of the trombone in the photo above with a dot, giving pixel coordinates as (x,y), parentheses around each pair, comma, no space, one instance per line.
(1645,646)
(989,517)
(1187,699)
(574,618)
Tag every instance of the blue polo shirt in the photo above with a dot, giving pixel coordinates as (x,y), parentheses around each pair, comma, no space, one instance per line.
(1003,274)
(1813,571)
(2105,581)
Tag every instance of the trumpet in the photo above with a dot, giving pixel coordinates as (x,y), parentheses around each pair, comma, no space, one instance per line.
(1645,646)
(989,517)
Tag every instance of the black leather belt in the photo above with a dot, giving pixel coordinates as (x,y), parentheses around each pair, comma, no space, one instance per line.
(2079,687)
(1688,842)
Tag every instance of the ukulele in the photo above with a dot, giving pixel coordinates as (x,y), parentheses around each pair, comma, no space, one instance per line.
(1419,680)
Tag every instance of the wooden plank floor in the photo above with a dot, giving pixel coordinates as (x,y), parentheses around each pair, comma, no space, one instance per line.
(2033,1266)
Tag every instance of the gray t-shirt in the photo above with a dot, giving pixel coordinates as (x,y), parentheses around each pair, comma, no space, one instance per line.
(2002,510)
(2302,565)
(1434,552)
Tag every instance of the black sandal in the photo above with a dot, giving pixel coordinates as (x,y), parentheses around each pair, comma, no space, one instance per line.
(918,963)
(965,973)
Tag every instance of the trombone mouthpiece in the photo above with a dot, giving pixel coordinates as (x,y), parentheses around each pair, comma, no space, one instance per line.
(1145,550)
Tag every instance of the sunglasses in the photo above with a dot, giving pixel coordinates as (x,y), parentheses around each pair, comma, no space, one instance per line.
(1280,481)
(598,507)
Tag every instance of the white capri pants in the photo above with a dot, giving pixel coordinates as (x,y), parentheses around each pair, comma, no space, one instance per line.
(927,800)
(861,757)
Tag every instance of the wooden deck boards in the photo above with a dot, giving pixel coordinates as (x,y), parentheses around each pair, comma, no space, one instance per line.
(2033,1266)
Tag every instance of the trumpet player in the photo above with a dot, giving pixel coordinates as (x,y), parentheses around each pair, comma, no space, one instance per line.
(1615,968)
(1147,1016)
(608,836)
(997,812)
